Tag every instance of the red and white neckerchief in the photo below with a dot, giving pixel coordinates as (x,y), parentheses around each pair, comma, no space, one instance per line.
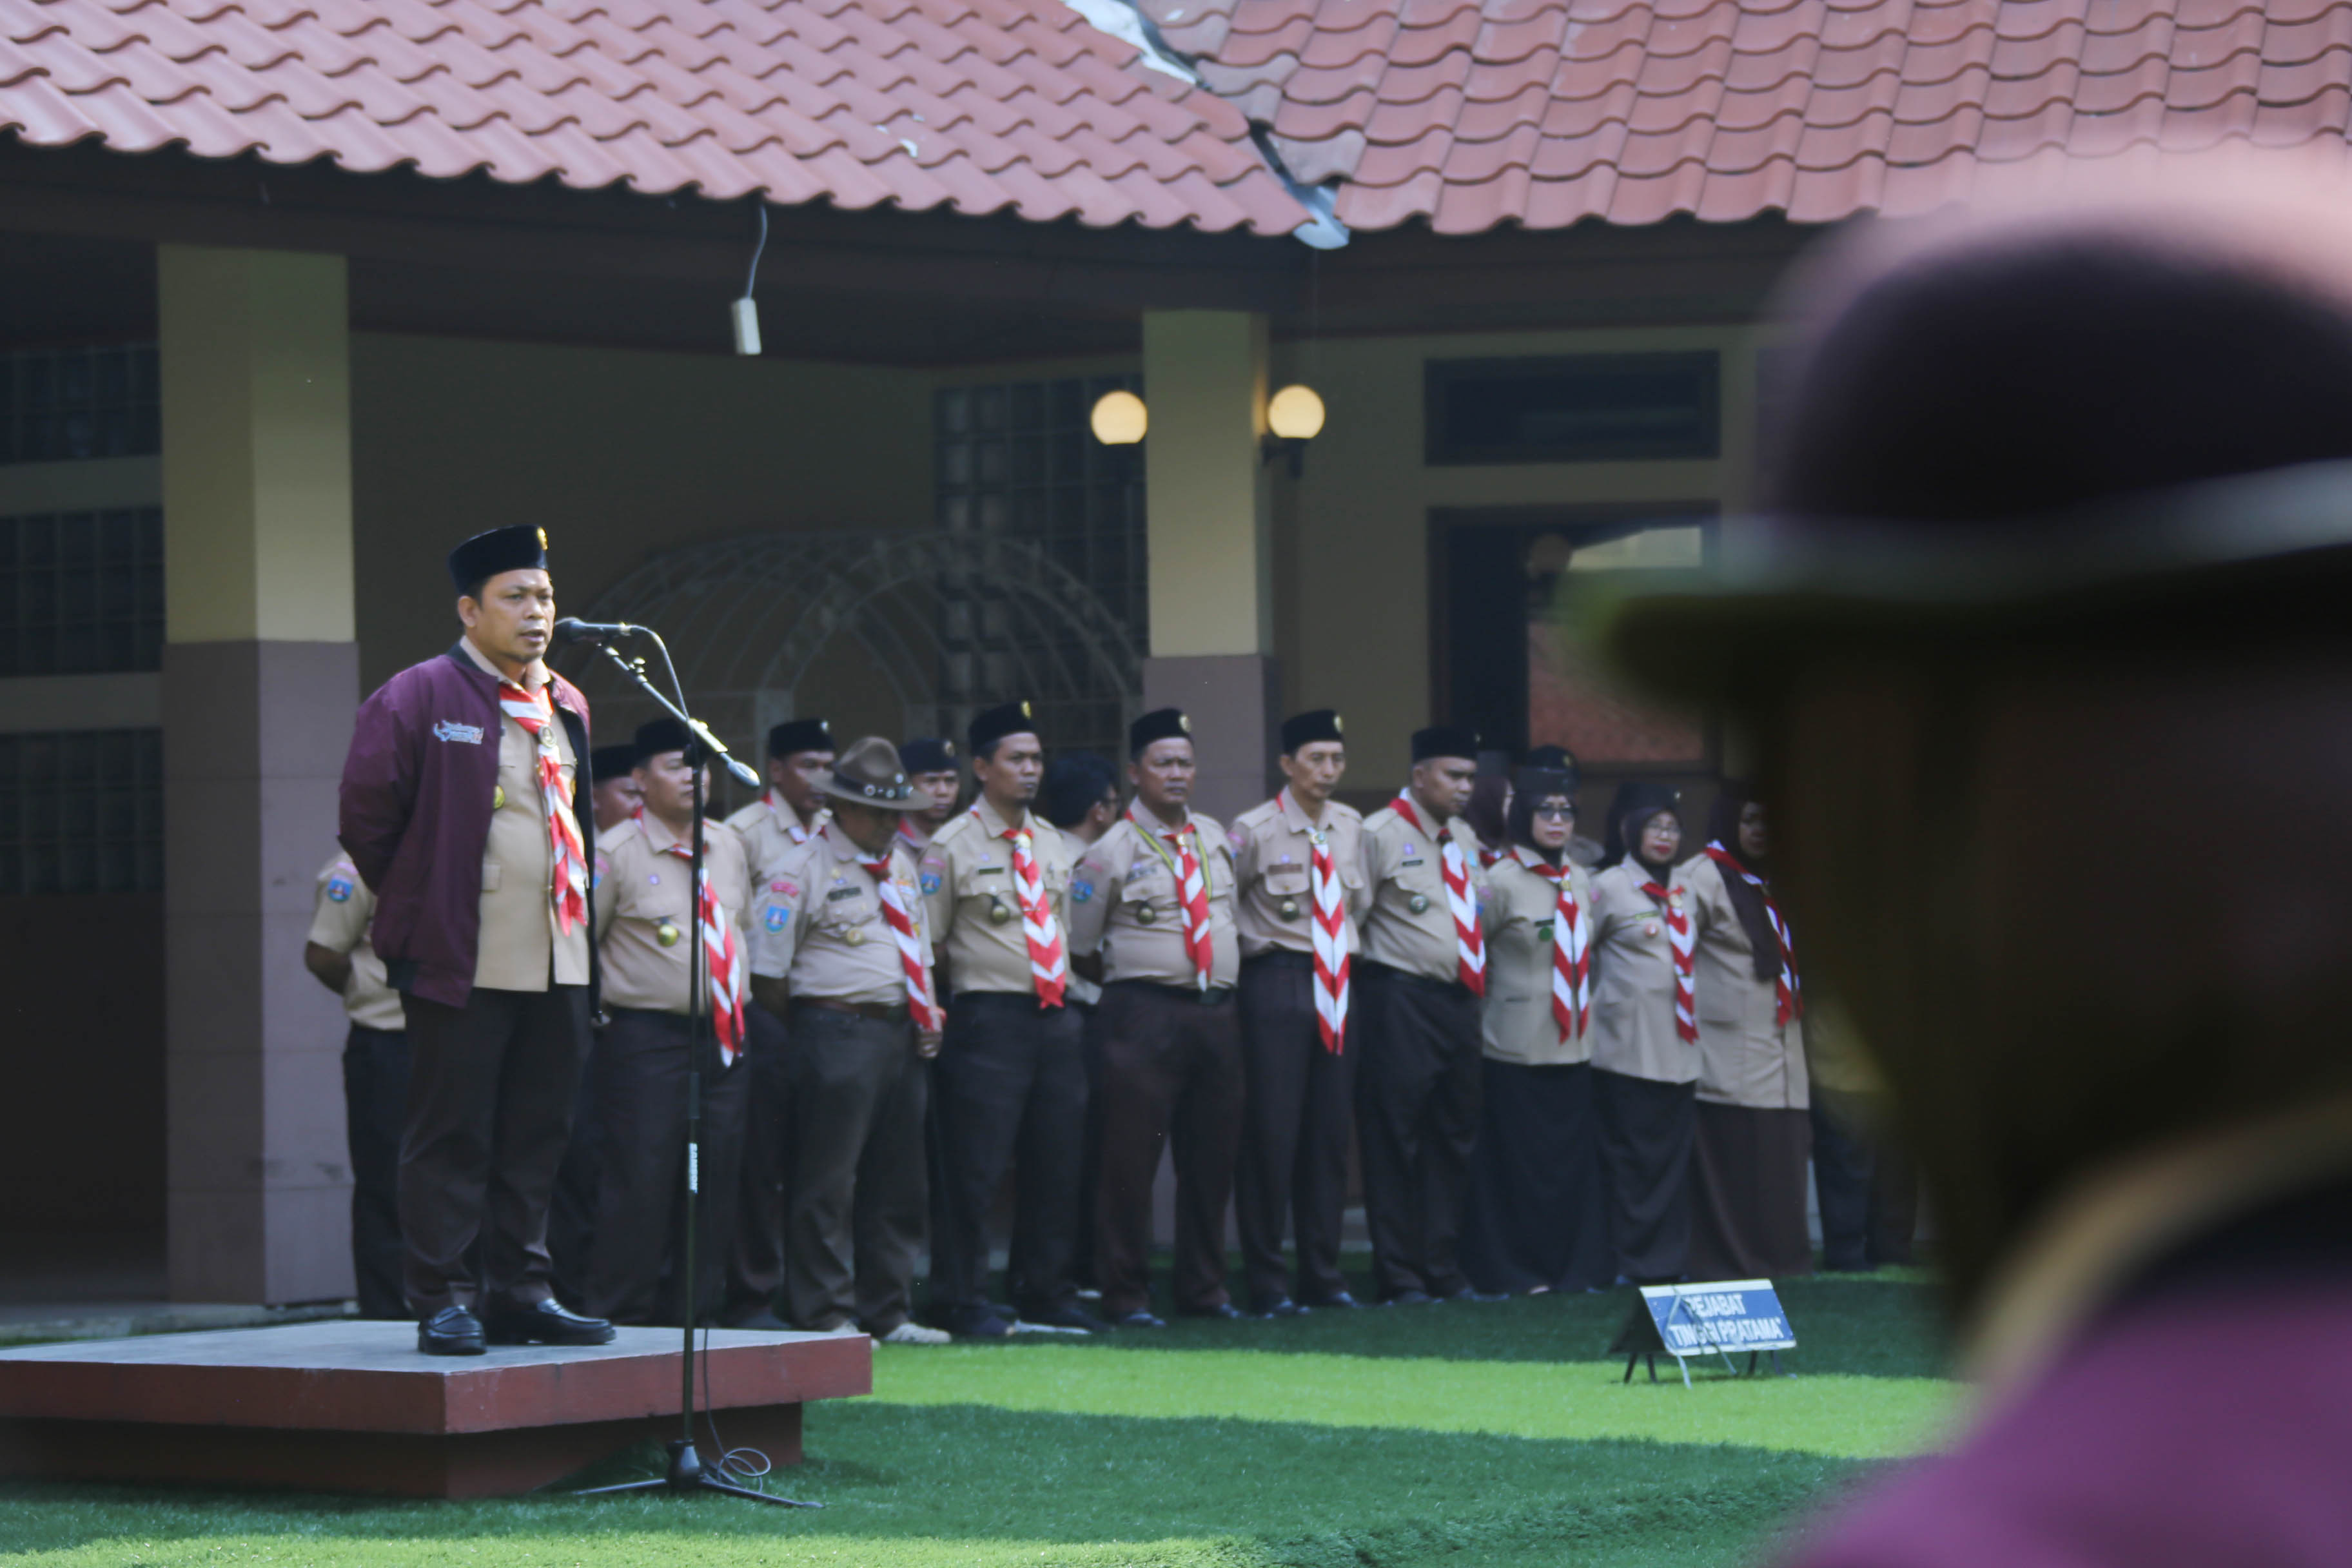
(535,712)
(1681,938)
(720,958)
(1182,851)
(915,841)
(1049,963)
(788,821)
(1328,925)
(895,914)
(1571,961)
(1469,942)
(1788,991)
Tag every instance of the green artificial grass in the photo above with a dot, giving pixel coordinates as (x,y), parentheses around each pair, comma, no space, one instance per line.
(1466,1436)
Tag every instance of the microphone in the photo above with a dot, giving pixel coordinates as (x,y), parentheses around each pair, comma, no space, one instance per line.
(571,630)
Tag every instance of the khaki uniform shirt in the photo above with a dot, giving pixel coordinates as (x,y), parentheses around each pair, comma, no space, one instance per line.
(519,943)
(769,828)
(967,876)
(1520,907)
(1836,1060)
(1274,858)
(1410,926)
(821,929)
(1083,991)
(1744,1057)
(1633,981)
(340,924)
(1124,903)
(642,885)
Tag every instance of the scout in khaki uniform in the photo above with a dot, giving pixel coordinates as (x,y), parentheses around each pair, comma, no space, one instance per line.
(1423,970)
(840,951)
(649,921)
(800,753)
(375,1078)
(1644,1035)
(1080,798)
(931,766)
(1299,870)
(1535,1220)
(1155,900)
(1755,1131)
(460,810)
(612,773)
(1009,1089)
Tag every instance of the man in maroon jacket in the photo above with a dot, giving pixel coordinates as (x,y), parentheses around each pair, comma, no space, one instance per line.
(460,810)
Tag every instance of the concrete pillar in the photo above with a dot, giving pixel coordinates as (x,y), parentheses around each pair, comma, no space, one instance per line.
(260,675)
(1208,499)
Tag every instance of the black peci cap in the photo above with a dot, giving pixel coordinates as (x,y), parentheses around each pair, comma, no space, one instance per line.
(1445,741)
(993,724)
(796,735)
(664,735)
(1307,728)
(485,555)
(610,761)
(927,754)
(1159,725)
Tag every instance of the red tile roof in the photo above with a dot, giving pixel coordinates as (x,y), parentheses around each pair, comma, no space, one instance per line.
(1472,113)
(982,106)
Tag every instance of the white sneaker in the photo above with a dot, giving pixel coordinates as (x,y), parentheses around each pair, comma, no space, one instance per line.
(913,1333)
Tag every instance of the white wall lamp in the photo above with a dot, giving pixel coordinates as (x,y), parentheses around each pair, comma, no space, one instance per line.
(1120,419)
(1294,416)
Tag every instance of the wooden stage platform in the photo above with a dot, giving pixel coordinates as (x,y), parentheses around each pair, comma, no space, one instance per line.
(353,1406)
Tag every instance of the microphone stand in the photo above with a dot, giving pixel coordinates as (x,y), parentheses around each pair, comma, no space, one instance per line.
(685,1472)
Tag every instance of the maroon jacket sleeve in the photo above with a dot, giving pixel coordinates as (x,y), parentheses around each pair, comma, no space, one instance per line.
(379,789)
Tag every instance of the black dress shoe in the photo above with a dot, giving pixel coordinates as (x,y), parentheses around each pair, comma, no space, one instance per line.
(547,1322)
(1140,1318)
(1408,1299)
(1471,1293)
(1067,1315)
(1224,1310)
(452,1331)
(761,1319)
(1280,1307)
(1337,1301)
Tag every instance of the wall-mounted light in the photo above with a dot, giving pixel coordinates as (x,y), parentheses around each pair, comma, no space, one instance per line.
(1294,416)
(1118,419)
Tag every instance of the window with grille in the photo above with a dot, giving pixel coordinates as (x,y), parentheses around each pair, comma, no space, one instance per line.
(58,404)
(82,593)
(81,812)
(1016,460)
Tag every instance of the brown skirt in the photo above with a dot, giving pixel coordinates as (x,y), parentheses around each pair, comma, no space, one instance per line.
(1748,1193)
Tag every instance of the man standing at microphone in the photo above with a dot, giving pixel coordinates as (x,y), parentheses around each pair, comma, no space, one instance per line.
(461,811)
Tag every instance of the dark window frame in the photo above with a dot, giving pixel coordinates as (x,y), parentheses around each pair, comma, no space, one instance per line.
(1443,381)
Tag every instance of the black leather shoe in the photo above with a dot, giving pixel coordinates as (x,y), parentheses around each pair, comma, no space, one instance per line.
(1138,1319)
(547,1322)
(1408,1299)
(452,1331)
(1280,1307)
(1471,1293)
(973,1322)
(1337,1301)
(1224,1310)
(763,1319)
(1067,1315)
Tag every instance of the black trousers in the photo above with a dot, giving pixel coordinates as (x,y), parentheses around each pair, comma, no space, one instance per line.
(1417,1101)
(1171,1081)
(1647,1128)
(857,1189)
(1869,1202)
(755,1266)
(491,1091)
(1293,1159)
(375,1104)
(1535,1220)
(636,1249)
(1008,1091)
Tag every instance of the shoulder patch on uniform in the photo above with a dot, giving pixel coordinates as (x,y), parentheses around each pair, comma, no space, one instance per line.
(931,879)
(1082,891)
(602,869)
(338,888)
(777,916)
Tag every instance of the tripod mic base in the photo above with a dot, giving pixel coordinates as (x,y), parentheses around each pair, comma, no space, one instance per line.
(686,1474)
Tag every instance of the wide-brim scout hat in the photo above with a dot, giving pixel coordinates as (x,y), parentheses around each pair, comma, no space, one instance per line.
(869,773)
(2253,557)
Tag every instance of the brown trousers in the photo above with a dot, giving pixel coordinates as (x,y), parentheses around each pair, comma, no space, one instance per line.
(636,1240)
(1171,1068)
(858,1193)
(491,1091)
(1293,1159)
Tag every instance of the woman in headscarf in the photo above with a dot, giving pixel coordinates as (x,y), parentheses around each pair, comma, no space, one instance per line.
(1535,1221)
(1755,1132)
(1644,1035)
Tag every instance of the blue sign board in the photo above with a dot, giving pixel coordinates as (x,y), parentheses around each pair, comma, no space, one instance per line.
(1719,1318)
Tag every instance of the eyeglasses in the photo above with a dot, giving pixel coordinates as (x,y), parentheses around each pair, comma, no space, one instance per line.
(1554,814)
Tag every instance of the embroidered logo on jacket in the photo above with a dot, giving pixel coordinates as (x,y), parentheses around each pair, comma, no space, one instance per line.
(450,730)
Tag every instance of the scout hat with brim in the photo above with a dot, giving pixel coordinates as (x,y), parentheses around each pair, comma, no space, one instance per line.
(869,772)
(2253,557)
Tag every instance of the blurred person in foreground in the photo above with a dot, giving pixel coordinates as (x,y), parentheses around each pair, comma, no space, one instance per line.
(2048,642)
